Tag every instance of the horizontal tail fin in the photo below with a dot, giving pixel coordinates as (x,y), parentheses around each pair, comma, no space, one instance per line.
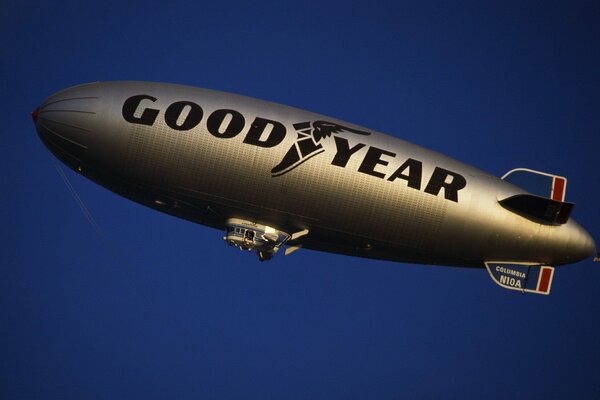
(539,209)
(546,203)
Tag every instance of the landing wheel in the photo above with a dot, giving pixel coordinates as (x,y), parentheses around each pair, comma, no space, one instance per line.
(264,256)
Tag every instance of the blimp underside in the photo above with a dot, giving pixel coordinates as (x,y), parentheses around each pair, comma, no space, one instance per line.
(274,176)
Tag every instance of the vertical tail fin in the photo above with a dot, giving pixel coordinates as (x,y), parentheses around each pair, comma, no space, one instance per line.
(539,183)
(546,203)
(524,277)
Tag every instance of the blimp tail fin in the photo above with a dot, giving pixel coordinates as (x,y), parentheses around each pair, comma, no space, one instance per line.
(538,183)
(523,277)
(545,202)
(539,209)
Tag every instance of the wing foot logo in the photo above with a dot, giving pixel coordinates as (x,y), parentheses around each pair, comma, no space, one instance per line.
(308,144)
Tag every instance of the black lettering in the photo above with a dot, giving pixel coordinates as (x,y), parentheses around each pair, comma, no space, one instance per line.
(131,105)
(438,181)
(415,170)
(344,152)
(233,128)
(191,120)
(276,135)
(372,159)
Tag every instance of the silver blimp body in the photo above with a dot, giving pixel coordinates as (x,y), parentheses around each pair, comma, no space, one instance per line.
(276,177)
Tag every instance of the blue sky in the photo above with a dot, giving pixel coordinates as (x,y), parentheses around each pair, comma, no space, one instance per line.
(164,309)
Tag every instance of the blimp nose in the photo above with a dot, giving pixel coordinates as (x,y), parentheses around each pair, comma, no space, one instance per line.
(64,123)
(34,114)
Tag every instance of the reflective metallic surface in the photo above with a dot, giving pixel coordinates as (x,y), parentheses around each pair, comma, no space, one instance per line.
(208,177)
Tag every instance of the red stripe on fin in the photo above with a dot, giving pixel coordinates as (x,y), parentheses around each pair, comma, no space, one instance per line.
(558,188)
(545,280)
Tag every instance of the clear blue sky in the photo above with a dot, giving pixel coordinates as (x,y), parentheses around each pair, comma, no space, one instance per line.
(166,310)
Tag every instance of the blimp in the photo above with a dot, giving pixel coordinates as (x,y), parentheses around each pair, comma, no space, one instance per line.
(276,179)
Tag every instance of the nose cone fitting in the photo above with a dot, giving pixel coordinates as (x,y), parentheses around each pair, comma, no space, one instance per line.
(64,123)
(34,114)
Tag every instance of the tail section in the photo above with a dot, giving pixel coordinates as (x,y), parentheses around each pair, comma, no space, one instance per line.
(546,203)
(524,277)
(538,183)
